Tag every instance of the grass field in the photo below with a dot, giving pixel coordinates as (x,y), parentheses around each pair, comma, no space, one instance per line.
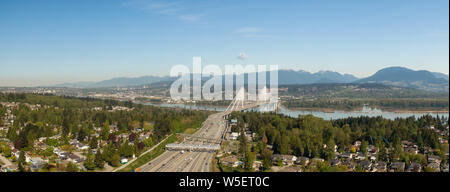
(190,131)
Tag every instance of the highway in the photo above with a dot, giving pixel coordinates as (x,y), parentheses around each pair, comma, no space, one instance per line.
(175,161)
(193,161)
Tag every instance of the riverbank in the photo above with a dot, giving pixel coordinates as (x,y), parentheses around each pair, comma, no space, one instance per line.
(325,113)
(356,109)
(312,109)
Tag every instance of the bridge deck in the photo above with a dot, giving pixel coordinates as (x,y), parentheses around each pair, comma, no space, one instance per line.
(192,147)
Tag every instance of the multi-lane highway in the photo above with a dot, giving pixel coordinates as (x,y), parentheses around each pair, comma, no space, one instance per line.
(176,161)
(194,161)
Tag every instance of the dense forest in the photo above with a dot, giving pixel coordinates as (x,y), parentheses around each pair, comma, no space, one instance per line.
(352,90)
(309,136)
(353,96)
(350,104)
(79,118)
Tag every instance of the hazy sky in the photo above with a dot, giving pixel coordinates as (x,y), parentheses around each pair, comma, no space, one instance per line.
(47,42)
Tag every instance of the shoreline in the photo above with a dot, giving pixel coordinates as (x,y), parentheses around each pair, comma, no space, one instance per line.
(359,109)
(331,110)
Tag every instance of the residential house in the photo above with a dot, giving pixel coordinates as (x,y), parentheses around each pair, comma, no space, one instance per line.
(397,167)
(233,122)
(144,137)
(75,158)
(349,164)
(63,155)
(371,149)
(434,159)
(37,163)
(365,165)
(335,162)
(380,166)
(347,155)
(414,167)
(291,169)
(257,165)
(445,168)
(360,156)
(435,166)
(285,159)
(302,161)
(289,159)
(230,161)
(316,161)
(81,146)
(234,136)
(413,150)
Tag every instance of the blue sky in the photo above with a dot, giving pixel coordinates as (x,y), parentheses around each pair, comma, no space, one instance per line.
(52,41)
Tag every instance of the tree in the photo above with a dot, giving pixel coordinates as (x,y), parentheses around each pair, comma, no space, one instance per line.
(363,147)
(89,162)
(19,143)
(264,138)
(48,152)
(428,169)
(7,151)
(248,161)
(93,144)
(21,161)
(266,156)
(140,146)
(242,143)
(126,150)
(115,160)
(82,133)
(99,162)
(71,167)
(52,142)
(112,137)
(132,137)
(328,152)
(353,149)
(105,131)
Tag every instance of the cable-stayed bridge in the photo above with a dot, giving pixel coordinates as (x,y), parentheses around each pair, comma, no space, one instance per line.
(199,147)
(239,103)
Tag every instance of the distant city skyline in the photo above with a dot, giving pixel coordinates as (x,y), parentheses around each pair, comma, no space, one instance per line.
(48,42)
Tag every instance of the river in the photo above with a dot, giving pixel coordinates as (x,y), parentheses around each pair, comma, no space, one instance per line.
(337,114)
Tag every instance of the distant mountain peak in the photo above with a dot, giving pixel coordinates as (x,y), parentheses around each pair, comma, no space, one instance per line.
(404,77)
(304,77)
(397,76)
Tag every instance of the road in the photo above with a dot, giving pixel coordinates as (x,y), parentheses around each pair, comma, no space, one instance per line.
(148,151)
(175,161)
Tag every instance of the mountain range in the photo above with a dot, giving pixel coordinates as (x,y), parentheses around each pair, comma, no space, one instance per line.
(403,77)
(395,76)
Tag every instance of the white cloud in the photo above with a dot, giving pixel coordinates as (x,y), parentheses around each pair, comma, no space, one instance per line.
(190,18)
(160,5)
(172,9)
(252,32)
(242,56)
(169,11)
(248,30)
